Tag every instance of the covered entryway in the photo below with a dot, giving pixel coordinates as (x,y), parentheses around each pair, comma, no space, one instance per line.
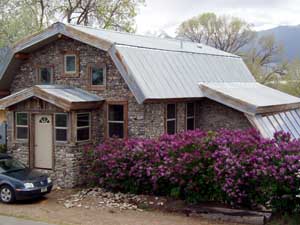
(43,142)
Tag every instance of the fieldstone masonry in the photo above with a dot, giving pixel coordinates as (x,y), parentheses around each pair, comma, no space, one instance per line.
(144,120)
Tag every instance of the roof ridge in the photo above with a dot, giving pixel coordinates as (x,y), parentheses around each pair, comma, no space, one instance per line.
(140,35)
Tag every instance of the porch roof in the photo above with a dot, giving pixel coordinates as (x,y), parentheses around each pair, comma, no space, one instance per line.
(251,98)
(65,97)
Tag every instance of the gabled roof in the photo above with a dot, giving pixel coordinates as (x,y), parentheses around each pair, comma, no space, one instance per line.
(153,68)
(251,97)
(67,98)
(156,68)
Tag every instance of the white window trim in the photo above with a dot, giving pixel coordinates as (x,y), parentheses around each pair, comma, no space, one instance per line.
(190,117)
(65,64)
(83,127)
(91,75)
(115,121)
(171,119)
(61,128)
(24,126)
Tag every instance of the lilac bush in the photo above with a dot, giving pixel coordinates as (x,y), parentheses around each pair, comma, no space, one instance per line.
(232,166)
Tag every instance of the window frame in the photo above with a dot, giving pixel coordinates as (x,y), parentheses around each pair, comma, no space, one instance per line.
(22,126)
(77,63)
(38,72)
(61,128)
(98,66)
(190,117)
(125,117)
(170,119)
(83,127)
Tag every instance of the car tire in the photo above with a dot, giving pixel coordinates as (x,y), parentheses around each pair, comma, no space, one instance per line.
(7,194)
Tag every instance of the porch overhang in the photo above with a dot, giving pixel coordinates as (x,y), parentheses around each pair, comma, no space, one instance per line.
(250,97)
(64,97)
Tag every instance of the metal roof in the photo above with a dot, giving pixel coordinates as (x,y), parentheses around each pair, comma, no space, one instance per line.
(168,44)
(287,121)
(64,97)
(250,97)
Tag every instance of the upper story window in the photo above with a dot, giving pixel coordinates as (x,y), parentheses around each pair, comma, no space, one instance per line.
(190,116)
(21,126)
(71,63)
(117,120)
(45,75)
(171,126)
(97,74)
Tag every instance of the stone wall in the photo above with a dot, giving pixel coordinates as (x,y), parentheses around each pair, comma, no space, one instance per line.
(145,120)
(213,116)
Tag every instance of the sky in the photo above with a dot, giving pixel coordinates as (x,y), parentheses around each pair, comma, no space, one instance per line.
(166,15)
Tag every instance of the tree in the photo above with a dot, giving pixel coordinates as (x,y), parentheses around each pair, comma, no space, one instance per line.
(19,18)
(226,33)
(264,59)
(107,14)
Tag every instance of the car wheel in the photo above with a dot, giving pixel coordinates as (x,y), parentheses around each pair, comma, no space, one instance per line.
(7,194)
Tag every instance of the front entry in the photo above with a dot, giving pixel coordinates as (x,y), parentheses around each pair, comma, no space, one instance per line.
(43,146)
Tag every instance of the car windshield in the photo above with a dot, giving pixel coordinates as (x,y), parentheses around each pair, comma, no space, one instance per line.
(10,165)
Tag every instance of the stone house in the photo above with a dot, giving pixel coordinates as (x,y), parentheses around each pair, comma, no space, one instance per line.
(70,87)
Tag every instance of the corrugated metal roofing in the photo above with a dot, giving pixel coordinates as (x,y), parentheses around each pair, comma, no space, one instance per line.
(122,38)
(70,94)
(250,97)
(288,121)
(61,96)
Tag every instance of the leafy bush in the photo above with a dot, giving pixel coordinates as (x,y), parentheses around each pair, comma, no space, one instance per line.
(3,149)
(236,167)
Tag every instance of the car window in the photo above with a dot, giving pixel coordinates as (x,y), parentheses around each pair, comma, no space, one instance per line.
(9,165)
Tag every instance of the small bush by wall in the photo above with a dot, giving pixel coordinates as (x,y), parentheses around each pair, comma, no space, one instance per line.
(236,167)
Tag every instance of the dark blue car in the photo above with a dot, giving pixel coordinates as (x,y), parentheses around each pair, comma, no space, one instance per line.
(17,182)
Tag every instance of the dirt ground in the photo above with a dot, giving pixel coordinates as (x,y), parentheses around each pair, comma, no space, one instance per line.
(49,210)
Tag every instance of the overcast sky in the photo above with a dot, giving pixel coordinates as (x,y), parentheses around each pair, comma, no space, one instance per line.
(263,14)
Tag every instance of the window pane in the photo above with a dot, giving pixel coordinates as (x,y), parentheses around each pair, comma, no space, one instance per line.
(116,130)
(22,132)
(190,124)
(171,127)
(190,109)
(22,119)
(45,75)
(116,113)
(61,120)
(97,76)
(70,63)
(83,119)
(83,134)
(171,111)
(61,134)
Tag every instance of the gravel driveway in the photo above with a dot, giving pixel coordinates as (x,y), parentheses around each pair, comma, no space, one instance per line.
(6,220)
(50,211)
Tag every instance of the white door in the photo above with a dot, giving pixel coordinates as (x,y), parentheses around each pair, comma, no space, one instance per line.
(43,146)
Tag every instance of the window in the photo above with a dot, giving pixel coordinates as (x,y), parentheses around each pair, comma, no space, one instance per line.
(61,127)
(190,116)
(171,119)
(70,63)
(83,126)
(21,126)
(45,75)
(98,75)
(117,120)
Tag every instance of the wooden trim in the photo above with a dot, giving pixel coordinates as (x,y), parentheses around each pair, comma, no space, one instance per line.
(125,115)
(89,72)
(22,56)
(77,61)
(166,115)
(38,67)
